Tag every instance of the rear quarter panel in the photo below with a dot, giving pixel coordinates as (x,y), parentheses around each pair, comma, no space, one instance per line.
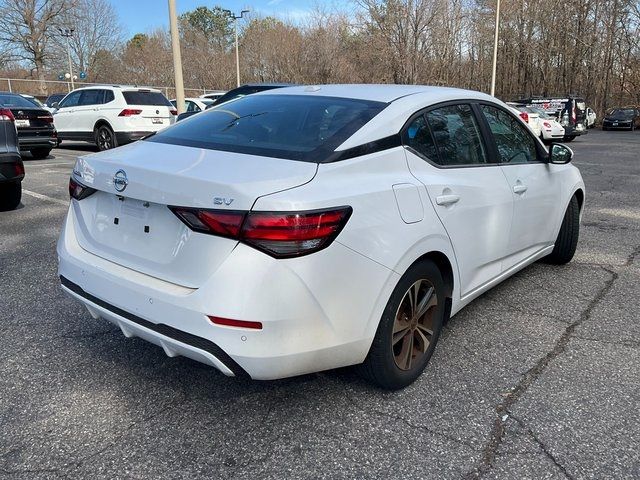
(376,229)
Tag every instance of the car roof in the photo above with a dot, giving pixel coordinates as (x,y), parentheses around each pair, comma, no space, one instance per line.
(119,87)
(375,92)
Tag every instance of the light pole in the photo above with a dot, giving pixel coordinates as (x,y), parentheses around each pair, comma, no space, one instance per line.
(68,32)
(235,25)
(495,50)
(177,59)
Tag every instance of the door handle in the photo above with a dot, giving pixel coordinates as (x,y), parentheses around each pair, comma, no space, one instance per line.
(447,199)
(519,189)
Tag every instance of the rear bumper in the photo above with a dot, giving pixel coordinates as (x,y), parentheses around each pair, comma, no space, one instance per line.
(314,317)
(46,139)
(128,137)
(11,167)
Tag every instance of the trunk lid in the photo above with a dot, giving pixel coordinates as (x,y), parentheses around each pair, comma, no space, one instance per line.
(134,227)
(32,118)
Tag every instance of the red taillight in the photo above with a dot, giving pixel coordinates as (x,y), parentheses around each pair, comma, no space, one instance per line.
(524,116)
(546,124)
(279,234)
(6,115)
(573,113)
(79,191)
(227,322)
(173,111)
(127,112)
(19,168)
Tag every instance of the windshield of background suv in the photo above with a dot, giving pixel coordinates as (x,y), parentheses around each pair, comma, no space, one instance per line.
(622,113)
(295,127)
(15,101)
(146,98)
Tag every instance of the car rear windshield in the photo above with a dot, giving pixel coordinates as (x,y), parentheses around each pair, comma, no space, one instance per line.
(15,101)
(140,97)
(295,127)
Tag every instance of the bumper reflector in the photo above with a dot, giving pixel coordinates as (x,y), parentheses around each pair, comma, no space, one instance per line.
(227,322)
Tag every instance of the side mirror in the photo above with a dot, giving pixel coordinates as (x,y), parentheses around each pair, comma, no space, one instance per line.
(560,154)
(55,105)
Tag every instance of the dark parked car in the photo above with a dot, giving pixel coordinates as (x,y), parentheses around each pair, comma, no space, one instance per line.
(54,98)
(36,132)
(627,118)
(11,167)
(242,91)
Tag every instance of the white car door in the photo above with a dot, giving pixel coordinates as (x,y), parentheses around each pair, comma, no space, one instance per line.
(87,111)
(64,117)
(535,189)
(446,152)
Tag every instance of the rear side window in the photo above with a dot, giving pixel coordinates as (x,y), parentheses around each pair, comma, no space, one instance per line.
(141,97)
(91,97)
(418,137)
(295,127)
(108,96)
(456,135)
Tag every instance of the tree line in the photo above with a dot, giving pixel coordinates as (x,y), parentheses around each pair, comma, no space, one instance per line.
(587,47)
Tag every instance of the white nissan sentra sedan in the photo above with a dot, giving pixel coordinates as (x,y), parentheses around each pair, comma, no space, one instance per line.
(309,228)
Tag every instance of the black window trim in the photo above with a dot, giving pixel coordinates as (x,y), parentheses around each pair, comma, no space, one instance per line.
(491,162)
(540,150)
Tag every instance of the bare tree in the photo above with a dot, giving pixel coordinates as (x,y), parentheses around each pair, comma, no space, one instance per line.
(26,27)
(96,28)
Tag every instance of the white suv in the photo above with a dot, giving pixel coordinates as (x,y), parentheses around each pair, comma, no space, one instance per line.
(112,115)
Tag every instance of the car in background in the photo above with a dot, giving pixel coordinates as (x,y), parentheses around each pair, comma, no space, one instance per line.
(591,117)
(570,111)
(239,92)
(36,131)
(214,95)
(530,118)
(53,99)
(112,115)
(194,105)
(11,166)
(34,100)
(627,118)
(310,228)
(550,128)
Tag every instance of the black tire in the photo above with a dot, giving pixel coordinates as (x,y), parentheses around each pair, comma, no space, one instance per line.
(10,195)
(40,153)
(380,366)
(604,129)
(567,240)
(105,138)
(569,138)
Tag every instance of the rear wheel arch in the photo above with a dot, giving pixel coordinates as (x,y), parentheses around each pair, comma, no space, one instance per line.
(444,265)
(100,123)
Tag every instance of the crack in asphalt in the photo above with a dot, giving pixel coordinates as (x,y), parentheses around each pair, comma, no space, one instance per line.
(511,398)
(542,447)
(399,418)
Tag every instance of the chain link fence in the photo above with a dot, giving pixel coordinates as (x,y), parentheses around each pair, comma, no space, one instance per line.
(32,87)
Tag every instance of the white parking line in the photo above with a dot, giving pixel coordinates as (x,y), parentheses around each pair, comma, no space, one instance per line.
(32,165)
(39,196)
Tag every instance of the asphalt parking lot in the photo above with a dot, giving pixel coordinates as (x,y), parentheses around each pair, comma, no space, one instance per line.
(539,378)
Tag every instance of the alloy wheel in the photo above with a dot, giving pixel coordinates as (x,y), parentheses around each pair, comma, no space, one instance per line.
(105,139)
(413,325)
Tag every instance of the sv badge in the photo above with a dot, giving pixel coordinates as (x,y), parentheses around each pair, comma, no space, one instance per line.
(222,201)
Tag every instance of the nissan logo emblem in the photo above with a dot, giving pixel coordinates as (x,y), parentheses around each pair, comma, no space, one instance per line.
(120,181)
